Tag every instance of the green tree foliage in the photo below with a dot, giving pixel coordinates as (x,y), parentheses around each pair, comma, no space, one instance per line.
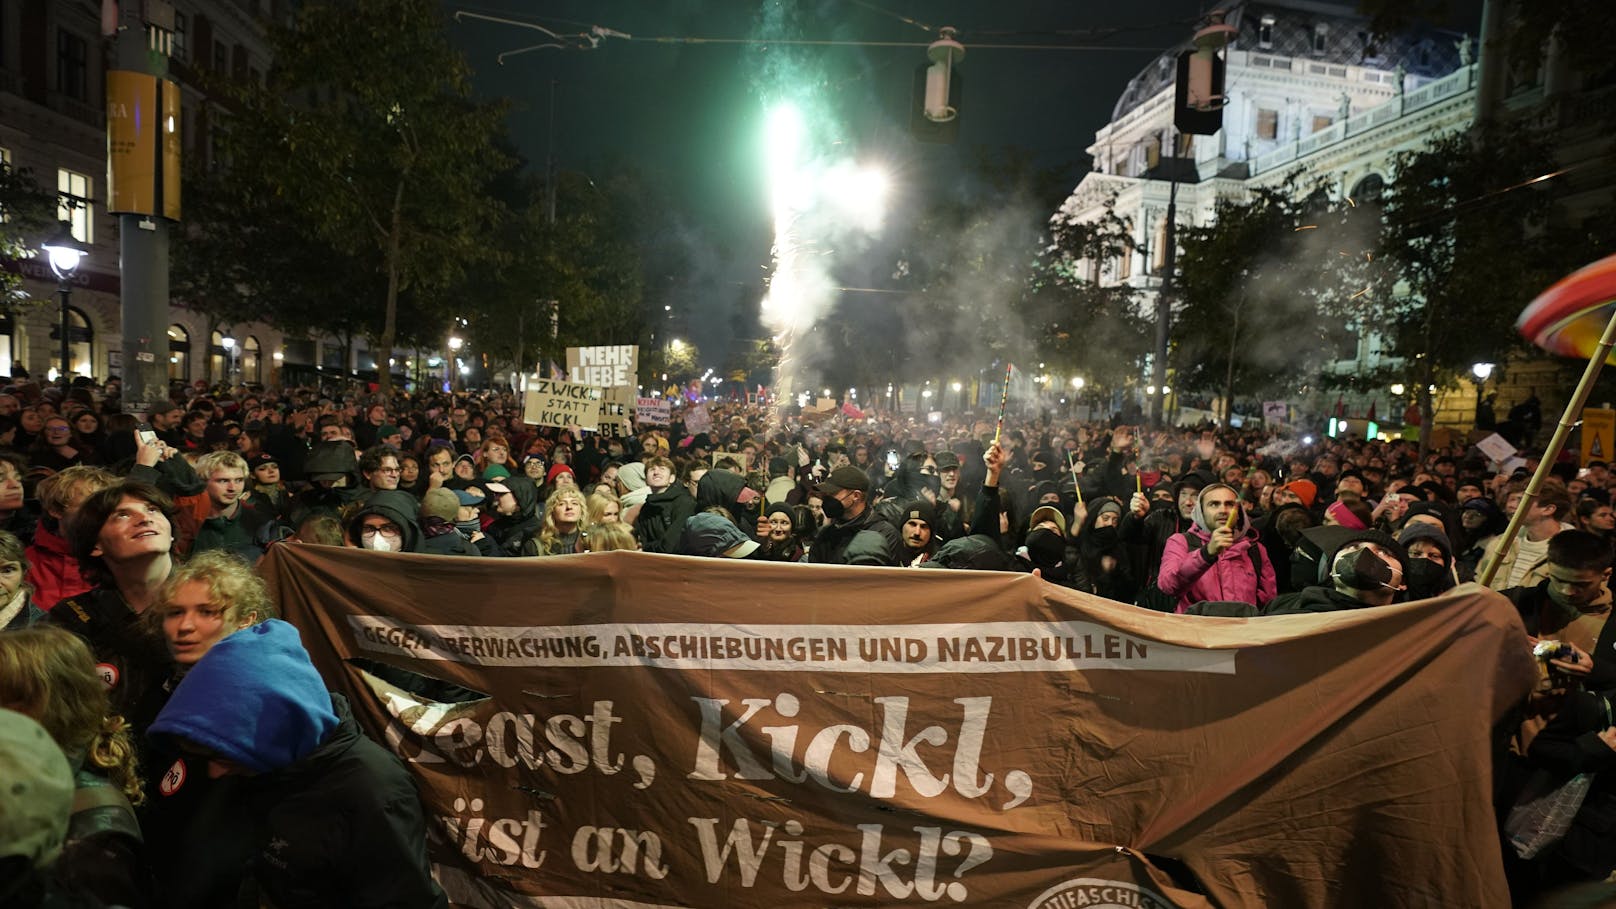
(681,364)
(27,218)
(1083,327)
(588,261)
(1260,293)
(365,159)
(1469,240)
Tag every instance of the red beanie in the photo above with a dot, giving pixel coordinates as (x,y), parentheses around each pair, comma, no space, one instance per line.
(556,471)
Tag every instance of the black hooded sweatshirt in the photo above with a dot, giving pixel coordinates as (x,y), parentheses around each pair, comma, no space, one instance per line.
(395,506)
(517,534)
(722,488)
(662,518)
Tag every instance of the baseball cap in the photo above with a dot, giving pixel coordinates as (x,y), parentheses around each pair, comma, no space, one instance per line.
(946,460)
(260,459)
(709,535)
(845,478)
(1048,513)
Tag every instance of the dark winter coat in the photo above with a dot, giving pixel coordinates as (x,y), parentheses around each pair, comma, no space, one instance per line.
(662,519)
(341,827)
(864,540)
(132,661)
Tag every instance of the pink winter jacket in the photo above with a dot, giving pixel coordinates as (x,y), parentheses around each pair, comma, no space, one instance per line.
(1188,574)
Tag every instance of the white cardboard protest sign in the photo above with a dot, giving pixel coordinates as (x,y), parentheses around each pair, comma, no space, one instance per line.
(609,366)
(1496,448)
(552,403)
(652,412)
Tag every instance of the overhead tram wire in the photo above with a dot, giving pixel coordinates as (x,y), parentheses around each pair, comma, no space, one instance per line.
(591,40)
(898,16)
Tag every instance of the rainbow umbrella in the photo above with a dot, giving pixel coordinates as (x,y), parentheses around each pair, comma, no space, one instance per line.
(1567,319)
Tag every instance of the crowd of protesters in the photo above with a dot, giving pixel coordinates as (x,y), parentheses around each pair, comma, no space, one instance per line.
(151,700)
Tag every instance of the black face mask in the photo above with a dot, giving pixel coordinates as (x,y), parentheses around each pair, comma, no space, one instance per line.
(1363,570)
(1102,537)
(833,508)
(1427,579)
(933,482)
(1046,549)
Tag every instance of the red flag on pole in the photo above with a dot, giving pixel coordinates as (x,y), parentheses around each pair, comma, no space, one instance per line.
(1340,407)
(1371,416)
(109,18)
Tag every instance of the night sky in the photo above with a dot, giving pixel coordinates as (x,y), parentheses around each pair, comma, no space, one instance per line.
(689,117)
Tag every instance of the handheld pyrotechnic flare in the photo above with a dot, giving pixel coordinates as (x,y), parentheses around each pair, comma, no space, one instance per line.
(1004,399)
(1071,462)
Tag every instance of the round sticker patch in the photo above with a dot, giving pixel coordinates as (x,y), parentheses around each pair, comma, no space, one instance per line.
(108,674)
(173,779)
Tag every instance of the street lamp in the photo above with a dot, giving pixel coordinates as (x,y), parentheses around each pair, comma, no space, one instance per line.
(1484,410)
(228,342)
(455,343)
(65,252)
(1398,389)
(1077,383)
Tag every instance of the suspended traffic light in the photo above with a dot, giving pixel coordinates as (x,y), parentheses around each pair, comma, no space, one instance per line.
(1198,97)
(934,111)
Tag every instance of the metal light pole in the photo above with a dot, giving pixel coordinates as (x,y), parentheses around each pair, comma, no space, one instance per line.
(65,252)
(1164,294)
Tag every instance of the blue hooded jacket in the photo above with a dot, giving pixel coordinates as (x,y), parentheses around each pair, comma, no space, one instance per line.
(254,699)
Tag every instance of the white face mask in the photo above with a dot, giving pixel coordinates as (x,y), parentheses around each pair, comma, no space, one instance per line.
(380,544)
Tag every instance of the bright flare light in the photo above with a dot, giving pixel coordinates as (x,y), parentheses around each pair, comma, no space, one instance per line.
(816,203)
(859,192)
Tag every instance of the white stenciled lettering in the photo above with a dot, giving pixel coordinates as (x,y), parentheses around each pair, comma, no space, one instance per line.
(930,760)
(615,850)
(567,743)
(500,841)
(877,867)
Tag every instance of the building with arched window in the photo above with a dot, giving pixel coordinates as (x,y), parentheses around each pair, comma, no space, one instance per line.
(1308,91)
(179,354)
(251,359)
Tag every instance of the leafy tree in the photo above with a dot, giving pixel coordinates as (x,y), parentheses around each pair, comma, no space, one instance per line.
(27,217)
(589,261)
(1469,240)
(366,144)
(1091,330)
(681,363)
(1260,293)
(756,359)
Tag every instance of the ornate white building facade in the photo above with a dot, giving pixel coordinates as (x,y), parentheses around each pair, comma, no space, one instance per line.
(1310,90)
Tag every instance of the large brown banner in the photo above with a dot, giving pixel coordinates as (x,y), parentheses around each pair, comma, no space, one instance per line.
(664,731)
